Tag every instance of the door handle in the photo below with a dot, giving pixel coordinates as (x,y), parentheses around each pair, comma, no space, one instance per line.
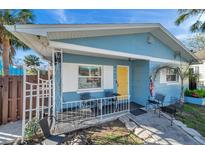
(117,83)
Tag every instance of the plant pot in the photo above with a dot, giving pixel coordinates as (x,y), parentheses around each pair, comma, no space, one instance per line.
(193,100)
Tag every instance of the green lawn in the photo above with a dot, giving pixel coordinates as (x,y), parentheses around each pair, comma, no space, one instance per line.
(194,117)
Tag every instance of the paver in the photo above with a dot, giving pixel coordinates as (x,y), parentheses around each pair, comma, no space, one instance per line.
(10,132)
(130,125)
(162,131)
(124,119)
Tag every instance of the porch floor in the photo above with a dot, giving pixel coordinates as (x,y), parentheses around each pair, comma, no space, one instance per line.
(136,109)
(70,126)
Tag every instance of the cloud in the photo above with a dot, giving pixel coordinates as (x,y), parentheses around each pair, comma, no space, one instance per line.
(61,16)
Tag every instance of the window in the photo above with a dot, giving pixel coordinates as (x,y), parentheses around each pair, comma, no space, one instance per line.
(90,77)
(196,70)
(171,75)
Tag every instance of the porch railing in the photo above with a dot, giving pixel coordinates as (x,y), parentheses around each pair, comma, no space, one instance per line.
(94,108)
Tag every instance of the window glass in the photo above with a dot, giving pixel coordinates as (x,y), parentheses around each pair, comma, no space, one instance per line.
(83,71)
(171,75)
(89,77)
(89,82)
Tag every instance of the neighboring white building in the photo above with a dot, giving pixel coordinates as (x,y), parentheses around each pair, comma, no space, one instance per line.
(200,68)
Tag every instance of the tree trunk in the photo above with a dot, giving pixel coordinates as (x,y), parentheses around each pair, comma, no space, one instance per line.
(5,55)
(182,91)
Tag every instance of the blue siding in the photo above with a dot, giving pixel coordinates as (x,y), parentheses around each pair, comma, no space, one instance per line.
(140,77)
(140,70)
(169,90)
(73,96)
(132,43)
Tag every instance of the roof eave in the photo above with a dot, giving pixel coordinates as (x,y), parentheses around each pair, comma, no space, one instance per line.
(58,27)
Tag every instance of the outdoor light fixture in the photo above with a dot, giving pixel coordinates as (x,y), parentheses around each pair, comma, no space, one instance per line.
(150,39)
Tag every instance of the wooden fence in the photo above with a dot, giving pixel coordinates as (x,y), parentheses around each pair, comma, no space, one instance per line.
(11,96)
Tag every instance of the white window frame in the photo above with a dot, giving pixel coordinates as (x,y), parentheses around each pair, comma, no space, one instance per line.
(90,89)
(172,82)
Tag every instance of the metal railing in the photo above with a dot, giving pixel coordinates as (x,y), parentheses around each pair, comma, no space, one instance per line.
(93,108)
(37,98)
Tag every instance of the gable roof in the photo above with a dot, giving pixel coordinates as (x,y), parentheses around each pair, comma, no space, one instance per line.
(38,37)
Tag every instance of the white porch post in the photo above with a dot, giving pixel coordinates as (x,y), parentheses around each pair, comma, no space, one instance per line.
(54,97)
(24,103)
(61,81)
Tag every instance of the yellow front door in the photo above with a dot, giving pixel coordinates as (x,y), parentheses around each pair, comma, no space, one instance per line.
(122,80)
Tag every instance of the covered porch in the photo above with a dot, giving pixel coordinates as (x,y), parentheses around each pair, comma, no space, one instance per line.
(96,87)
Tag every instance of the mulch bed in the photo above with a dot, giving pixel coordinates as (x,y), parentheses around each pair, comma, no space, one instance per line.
(110,133)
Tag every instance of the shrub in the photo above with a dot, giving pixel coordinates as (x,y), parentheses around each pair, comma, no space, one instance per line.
(198,93)
(31,128)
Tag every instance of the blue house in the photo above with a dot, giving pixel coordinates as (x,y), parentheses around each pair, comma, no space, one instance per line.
(13,70)
(96,58)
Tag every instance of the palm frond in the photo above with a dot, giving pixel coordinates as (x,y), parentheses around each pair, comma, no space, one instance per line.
(185,14)
(196,26)
(32,60)
(181,18)
(202,28)
(25,16)
(11,17)
(17,44)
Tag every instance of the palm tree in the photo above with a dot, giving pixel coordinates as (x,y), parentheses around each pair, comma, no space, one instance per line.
(184,14)
(8,42)
(32,60)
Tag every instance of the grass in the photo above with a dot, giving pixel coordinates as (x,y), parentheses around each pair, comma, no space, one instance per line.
(194,117)
(113,133)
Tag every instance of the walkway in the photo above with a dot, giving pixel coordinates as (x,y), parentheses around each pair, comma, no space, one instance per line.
(155,130)
(10,132)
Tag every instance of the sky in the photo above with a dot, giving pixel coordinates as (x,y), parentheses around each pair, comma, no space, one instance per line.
(164,17)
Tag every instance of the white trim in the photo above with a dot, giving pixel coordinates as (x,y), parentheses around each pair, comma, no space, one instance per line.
(46,28)
(24,103)
(173,83)
(108,76)
(54,88)
(128,76)
(92,50)
(89,90)
(61,79)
